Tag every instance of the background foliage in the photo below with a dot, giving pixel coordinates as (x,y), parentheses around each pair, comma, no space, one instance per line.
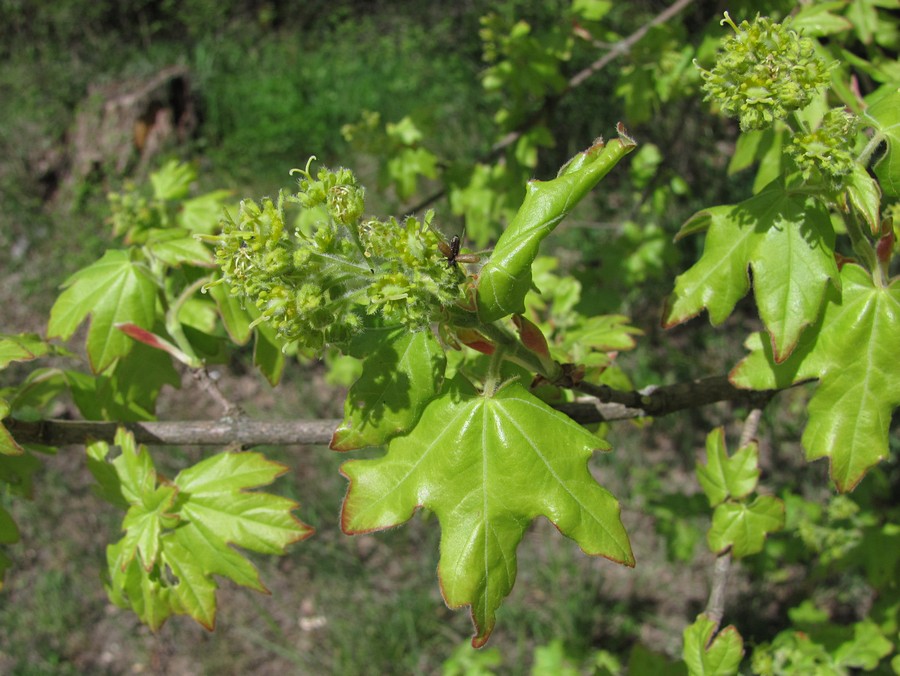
(278,82)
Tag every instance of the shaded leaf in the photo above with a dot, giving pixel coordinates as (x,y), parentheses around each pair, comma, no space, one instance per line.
(402,372)
(865,195)
(234,317)
(175,252)
(127,393)
(8,445)
(884,115)
(9,534)
(268,355)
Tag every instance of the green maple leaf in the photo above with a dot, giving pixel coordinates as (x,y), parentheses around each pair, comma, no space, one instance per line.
(179,534)
(705,656)
(130,391)
(743,527)
(235,317)
(402,372)
(9,534)
(487,466)
(505,279)
(113,290)
(175,250)
(853,352)
(788,242)
(21,347)
(173,180)
(724,477)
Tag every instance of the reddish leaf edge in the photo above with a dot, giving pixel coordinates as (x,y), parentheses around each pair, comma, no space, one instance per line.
(482,634)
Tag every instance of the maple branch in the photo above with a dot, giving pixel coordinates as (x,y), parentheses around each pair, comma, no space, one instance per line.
(609,405)
(659,400)
(220,432)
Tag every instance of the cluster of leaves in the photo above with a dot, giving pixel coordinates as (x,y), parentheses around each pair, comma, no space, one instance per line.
(848,538)
(827,316)
(179,533)
(477,448)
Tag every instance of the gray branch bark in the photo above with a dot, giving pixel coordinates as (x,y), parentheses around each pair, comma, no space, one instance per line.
(605,404)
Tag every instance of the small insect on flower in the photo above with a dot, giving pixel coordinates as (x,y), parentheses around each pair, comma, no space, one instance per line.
(451,251)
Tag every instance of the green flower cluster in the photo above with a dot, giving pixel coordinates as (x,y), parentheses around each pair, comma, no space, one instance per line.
(132,213)
(314,281)
(414,281)
(826,151)
(765,71)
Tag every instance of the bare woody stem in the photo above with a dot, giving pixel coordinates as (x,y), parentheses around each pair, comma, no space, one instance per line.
(609,405)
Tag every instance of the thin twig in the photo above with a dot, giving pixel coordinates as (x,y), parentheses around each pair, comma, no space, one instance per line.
(211,387)
(241,431)
(715,607)
(657,401)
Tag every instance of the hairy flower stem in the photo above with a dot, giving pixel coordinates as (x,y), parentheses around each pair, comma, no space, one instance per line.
(863,248)
(174,326)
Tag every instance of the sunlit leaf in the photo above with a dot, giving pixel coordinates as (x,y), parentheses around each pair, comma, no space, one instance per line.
(21,347)
(853,352)
(788,242)
(179,534)
(114,290)
(707,657)
(487,466)
(744,527)
(506,278)
(724,477)
(173,180)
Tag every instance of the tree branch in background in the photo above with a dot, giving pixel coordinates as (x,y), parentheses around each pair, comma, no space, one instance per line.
(613,52)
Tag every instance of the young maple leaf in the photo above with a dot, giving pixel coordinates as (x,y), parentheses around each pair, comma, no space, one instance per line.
(487,466)
(179,534)
(853,352)
(788,242)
